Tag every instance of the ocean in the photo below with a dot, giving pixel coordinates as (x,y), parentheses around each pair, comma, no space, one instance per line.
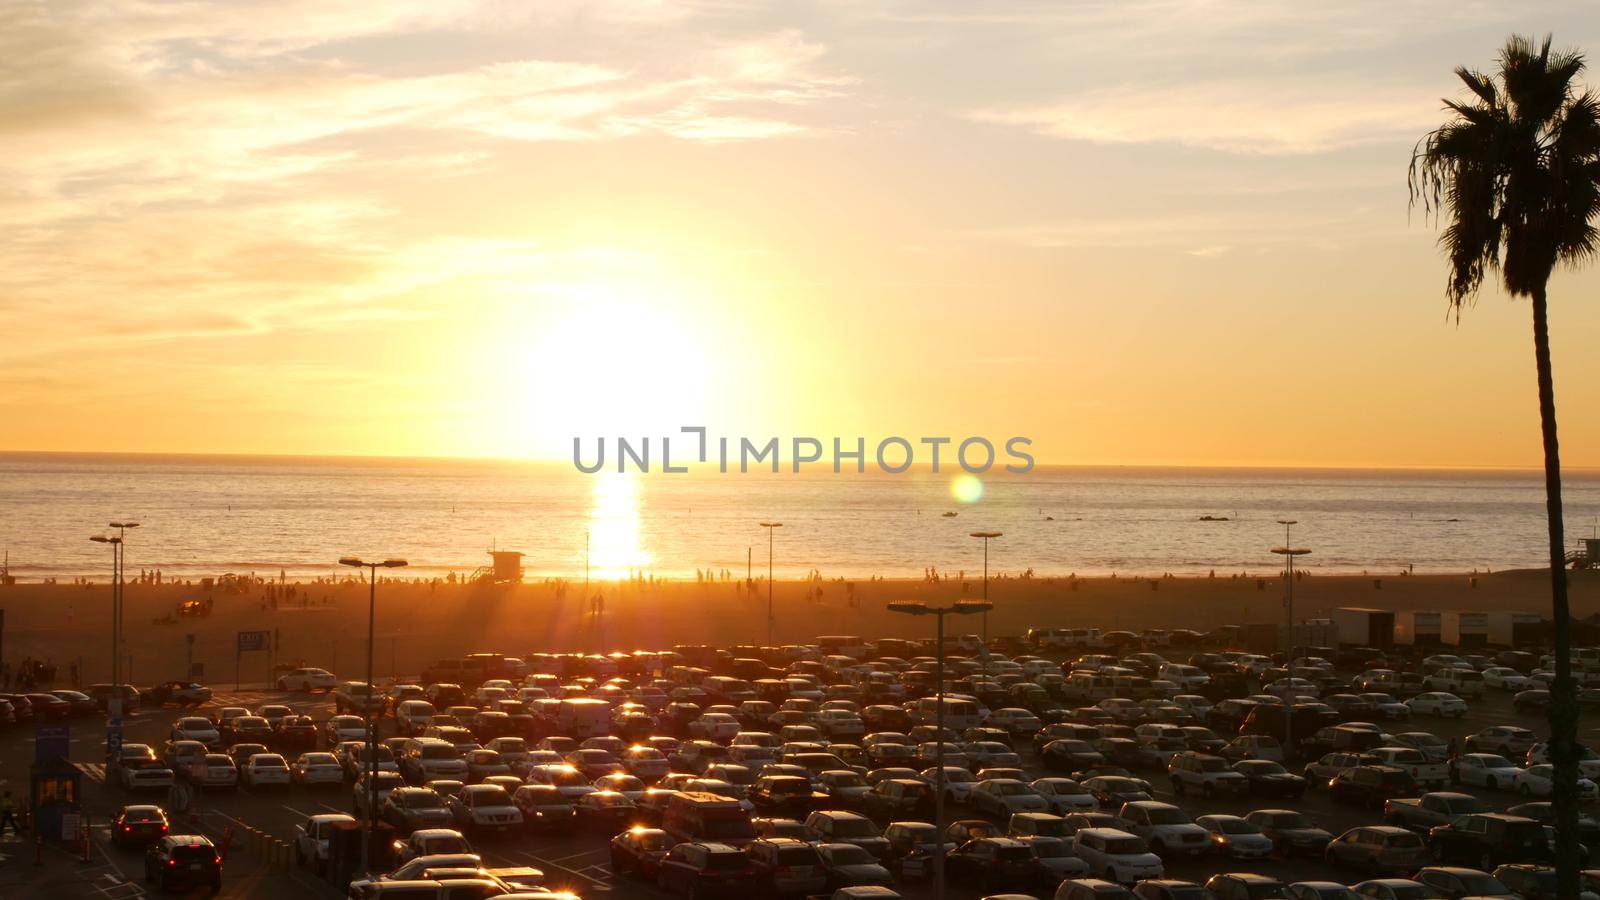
(213,515)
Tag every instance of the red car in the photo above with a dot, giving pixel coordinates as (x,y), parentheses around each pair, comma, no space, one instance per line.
(295,733)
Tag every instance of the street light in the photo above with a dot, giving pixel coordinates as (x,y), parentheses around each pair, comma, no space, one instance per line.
(986,535)
(959,608)
(114,702)
(770,527)
(1289,553)
(114,706)
(372,738)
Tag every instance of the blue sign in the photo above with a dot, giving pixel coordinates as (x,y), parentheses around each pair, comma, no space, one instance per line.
(51,741)
(253,640)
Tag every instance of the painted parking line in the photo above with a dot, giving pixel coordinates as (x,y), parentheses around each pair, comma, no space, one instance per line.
(599,879)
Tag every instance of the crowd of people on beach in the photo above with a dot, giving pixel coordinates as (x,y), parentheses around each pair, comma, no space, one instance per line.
(33,673)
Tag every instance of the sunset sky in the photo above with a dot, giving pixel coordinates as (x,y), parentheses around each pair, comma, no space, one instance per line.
(1136,231)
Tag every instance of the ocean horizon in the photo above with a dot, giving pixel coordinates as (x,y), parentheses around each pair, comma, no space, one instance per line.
(212,514)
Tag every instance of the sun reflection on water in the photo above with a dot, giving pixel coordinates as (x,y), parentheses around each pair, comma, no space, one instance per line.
(615,542)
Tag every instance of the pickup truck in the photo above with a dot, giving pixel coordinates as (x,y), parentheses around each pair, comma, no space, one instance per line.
(311,839)
(1437,808)
(1427,774)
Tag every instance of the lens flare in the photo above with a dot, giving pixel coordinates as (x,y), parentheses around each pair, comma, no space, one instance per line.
(966,488)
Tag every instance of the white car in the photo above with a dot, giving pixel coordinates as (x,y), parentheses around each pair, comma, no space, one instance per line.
(197,728)
(1065,795)
(1293,687)
(1507,740)
(307,680)
(1490,770)
(958,782)
(265,770)
(315,768)
(1116,855)
(719,727)
(840,724)
(1505,679)
(1535,781)
(1193,704)
(1588,759)
(645,763)
(1015,720)
(1433,747)
(1235,837)
(1003,797)
(345,728)
(991,755)
(1167,829)
(1438,703)
(483,807)
(1122,709)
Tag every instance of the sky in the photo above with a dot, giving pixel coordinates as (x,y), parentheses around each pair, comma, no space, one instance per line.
(1133,231)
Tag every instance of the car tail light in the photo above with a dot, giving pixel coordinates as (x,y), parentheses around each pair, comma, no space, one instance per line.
(127,828)
(172,862)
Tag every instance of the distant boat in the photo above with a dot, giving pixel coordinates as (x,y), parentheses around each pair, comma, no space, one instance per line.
(951,515)
(1213,518)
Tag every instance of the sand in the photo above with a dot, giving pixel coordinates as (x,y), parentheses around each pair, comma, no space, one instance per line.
(419,622)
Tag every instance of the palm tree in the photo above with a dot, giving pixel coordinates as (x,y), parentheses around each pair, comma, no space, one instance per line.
(1516,171)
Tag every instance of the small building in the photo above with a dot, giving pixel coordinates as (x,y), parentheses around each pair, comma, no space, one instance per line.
(506,567)
(1426,628)
(1360,627)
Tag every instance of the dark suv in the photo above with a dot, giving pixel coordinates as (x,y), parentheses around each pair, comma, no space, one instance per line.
(183,859)
(1485,840)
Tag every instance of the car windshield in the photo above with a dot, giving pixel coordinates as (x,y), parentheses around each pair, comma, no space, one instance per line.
(1125,845)
(438,752)
(420,800)
(1264,890)
(1477,883)
(1464,805)
(492,795)
(1213,764)
(1290,820)
(854,828)
(793,856)
(1168,815)
(849,856)
(1490,761)
(1236,826)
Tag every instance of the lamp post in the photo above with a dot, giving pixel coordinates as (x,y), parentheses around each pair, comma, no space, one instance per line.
(986,535)
(1289,553)
(959,608)
(771,527)
(114,706)
(114,702)
(372,739)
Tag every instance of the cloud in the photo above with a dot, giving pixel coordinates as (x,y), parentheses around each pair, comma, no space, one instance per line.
(1253,117)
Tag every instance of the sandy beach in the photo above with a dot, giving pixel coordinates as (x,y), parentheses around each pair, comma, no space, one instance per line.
(419,622)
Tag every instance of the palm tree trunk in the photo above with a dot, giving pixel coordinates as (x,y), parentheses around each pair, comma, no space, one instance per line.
(1563,709)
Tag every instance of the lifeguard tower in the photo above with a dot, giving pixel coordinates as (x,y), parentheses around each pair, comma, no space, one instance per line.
(505,568)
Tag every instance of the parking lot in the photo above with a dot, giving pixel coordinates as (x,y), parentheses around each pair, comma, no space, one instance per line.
(577,861)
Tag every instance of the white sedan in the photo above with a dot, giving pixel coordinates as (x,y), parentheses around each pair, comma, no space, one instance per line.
(1588,759)
(1505,679)
(1005,797)
(1534,781)
(1438,703)
(1490,770)
(307,680)
(317,768)
(1065,795)
(265,770)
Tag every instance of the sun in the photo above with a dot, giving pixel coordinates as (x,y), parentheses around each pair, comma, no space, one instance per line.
(613,363)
